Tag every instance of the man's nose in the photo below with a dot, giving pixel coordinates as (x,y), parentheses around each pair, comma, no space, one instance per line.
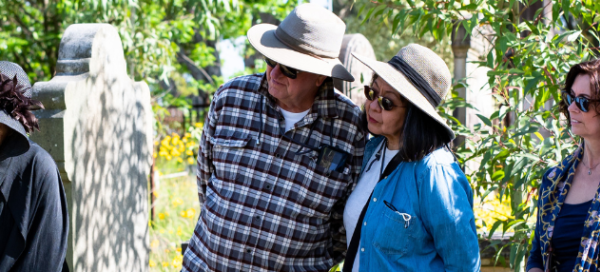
(276,71)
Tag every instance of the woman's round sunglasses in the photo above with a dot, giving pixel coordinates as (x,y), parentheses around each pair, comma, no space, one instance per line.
(582,102)
(384,103)
(287,71)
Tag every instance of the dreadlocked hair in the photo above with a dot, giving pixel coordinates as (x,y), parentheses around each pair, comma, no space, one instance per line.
(16,104)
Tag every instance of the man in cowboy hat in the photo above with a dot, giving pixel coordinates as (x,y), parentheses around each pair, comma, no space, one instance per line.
(279,155)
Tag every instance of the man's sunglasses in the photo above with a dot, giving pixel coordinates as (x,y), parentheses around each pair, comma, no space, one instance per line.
(287,71)
(384,103)
(583,103)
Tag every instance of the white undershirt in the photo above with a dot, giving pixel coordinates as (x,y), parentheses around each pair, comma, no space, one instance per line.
(359,197)
(291,118)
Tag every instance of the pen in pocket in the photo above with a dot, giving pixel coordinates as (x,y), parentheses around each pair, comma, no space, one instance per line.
(405,216)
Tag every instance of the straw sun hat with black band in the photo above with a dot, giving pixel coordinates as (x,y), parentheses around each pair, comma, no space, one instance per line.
(309,39)
(419,75)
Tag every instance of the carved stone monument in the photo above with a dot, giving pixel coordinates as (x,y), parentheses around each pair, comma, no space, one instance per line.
(356,43)
(97,125)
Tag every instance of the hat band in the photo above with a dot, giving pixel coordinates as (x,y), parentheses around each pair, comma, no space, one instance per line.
(302,47)
(417,80)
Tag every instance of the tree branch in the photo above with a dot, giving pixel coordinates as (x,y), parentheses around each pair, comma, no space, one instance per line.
(197,72)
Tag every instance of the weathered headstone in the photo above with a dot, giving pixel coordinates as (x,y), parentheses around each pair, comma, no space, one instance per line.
(356,43)
(97,125)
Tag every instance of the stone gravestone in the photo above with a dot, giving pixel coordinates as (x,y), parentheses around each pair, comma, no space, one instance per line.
(356,43)
(97,125)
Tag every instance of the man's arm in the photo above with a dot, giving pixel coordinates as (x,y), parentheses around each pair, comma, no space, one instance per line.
(338,232)
(205,165)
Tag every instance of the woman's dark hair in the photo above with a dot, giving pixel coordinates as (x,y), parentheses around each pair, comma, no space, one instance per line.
(590,68)
(421,134)
(16,104)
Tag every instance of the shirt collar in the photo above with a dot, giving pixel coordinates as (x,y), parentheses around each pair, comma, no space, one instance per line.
(324,106)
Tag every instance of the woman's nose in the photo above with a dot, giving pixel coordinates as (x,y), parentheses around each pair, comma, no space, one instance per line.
(374,104)
(573,107)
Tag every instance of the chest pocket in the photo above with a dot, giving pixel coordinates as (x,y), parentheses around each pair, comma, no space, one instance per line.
(230,156)
(319,189)
(399,233)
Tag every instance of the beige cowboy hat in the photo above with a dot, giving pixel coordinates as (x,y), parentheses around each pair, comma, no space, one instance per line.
(309,39)
(419,75)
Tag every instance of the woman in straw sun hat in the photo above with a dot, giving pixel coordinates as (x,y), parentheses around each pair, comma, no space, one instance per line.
(33,206)
(412,209)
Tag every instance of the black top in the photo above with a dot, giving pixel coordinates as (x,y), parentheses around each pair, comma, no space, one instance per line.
(33,209)
(568,228)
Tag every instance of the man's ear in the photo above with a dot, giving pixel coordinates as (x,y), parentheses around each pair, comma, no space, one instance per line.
(320,80)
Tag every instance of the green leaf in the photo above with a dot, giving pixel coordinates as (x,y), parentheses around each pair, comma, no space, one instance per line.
(502,44)
(566,6)
(487,192)
(490,59)
(485,120)
(368,16)
(495,227)
(498,175)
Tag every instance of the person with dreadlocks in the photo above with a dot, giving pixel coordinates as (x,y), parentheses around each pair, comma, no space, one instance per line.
(33,205)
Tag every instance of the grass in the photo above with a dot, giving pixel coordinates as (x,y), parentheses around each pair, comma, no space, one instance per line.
(176,213)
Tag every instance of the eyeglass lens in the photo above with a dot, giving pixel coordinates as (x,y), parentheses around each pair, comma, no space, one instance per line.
(384,103)
(287,71)
(582,103)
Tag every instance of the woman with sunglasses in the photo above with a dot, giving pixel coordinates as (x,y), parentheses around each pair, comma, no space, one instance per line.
(412,209)
(566,233)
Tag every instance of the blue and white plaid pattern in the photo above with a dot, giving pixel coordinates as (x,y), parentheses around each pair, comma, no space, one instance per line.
(265,207)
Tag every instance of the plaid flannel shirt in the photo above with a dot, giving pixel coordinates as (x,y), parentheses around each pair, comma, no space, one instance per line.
(265,207)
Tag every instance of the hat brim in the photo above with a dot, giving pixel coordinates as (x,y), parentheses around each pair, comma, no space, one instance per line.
(402,85)
(12,123)
(262,38)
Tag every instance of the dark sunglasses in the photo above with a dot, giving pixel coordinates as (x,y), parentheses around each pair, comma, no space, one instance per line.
(583,103)
(287,71)
(384,103)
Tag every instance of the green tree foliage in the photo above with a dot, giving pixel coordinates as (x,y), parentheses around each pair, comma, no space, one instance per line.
(164,40)
(150,30)
(528,60)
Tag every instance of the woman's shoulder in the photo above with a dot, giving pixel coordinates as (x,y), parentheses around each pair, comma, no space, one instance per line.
(38,159)
(554,174)
(439,157)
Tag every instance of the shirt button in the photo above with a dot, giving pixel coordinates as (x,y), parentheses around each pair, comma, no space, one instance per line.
(362,249)
(277,155)
(257,217)
(374,199)
(365,223)
(268,186)
(250,250)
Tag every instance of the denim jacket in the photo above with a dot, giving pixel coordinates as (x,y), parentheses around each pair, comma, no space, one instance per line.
(440,234)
